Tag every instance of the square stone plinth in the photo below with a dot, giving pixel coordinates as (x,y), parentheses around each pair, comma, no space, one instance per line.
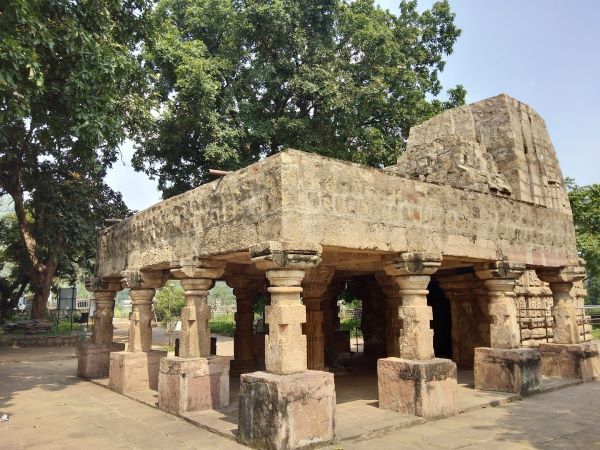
(132,372)
(516,370)
(286,411)
(193,384)
(571,361)
(93,360)
(423,388)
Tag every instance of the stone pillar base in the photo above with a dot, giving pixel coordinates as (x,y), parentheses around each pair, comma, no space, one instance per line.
(424,388)
(131,372)
(286,411)
(516,370)
(94,359)
(571,361)
(238,367)
(193,384)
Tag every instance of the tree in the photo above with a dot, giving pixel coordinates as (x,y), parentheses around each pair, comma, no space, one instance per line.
(169,301)
(585,204)
(71,90)
(241,80)
(13,278)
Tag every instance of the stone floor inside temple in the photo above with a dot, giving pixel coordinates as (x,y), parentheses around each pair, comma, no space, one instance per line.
(357,413)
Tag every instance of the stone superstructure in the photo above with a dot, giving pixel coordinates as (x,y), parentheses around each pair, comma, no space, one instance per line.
(472,220)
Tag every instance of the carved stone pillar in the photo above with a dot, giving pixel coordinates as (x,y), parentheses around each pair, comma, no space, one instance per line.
(288,388)
(504,366)
(245,290)
(314,288)
(94,356)
(416,382)
(137,368)
(567,356)
(393,302)
(194,380)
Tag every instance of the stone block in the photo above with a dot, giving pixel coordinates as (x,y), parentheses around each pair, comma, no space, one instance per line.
(571,361)
(94,359)
(131,372)
(516,370)
(424,388)
(193,384)
(286,411)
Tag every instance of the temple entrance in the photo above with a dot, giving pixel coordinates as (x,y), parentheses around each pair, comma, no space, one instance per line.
(442,320)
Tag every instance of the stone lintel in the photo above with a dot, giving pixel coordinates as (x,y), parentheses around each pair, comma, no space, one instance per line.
(425,388)
(132,372)
(193,384)
(137,279)
(571,360)
(286,255)
(210,269)
(516,370)
(286,411)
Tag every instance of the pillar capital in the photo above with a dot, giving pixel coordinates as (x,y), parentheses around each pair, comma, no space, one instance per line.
(137,279)
(286,255)
(316,282)
(568,274)
(499,270)
(414,264)
(198,269)
(99,284)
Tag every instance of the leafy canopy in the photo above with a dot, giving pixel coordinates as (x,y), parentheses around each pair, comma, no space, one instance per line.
(244,79)
(71,90)
(585,204)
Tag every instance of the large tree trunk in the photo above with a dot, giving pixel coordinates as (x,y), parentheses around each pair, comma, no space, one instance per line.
(39,307)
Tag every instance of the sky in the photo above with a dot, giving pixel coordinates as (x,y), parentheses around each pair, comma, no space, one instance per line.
(545,53)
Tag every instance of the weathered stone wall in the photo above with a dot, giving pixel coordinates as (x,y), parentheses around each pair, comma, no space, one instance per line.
(508,131)
(340,204)
(226,215)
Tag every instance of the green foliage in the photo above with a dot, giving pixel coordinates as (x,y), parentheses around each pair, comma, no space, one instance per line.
(223,324)
(168,301)
(585,204)
(240,80)
(13,280)
(221,293)
(71,90)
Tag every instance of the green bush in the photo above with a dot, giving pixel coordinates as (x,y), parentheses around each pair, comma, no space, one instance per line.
(353,325)
(169,301)
(223,324)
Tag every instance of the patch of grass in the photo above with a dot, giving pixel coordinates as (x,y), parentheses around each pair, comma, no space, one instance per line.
(353,325)
(596,333)
(222,324)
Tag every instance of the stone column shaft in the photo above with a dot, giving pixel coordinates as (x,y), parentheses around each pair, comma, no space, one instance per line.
(103,319)
(194,339)
(285,345)
(412,273)
(565,328)
(243,339)
(140,320)
(504,325)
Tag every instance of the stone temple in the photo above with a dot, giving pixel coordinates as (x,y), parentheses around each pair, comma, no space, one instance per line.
(473,221)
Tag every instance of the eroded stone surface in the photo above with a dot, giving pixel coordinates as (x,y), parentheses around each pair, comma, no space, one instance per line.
(193,384)
(517,370)
(571,361)
(131,372)
(94,359)
(286,411)
(425,388)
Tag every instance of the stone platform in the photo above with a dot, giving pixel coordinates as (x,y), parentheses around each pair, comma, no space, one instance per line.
(571,360)
(286,411)
(423,388)
(192,384)
(94,359)
(516,370)
(130,372)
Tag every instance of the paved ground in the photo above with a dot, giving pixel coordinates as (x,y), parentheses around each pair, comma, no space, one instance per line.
(51,409)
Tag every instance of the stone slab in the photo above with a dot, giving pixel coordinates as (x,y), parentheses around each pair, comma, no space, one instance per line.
(516,370)
(571,360)
(286,411)
(93,360)
(130,372)
(193,384)
(425,388)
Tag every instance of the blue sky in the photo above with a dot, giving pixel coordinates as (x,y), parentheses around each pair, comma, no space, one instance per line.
(545,53)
